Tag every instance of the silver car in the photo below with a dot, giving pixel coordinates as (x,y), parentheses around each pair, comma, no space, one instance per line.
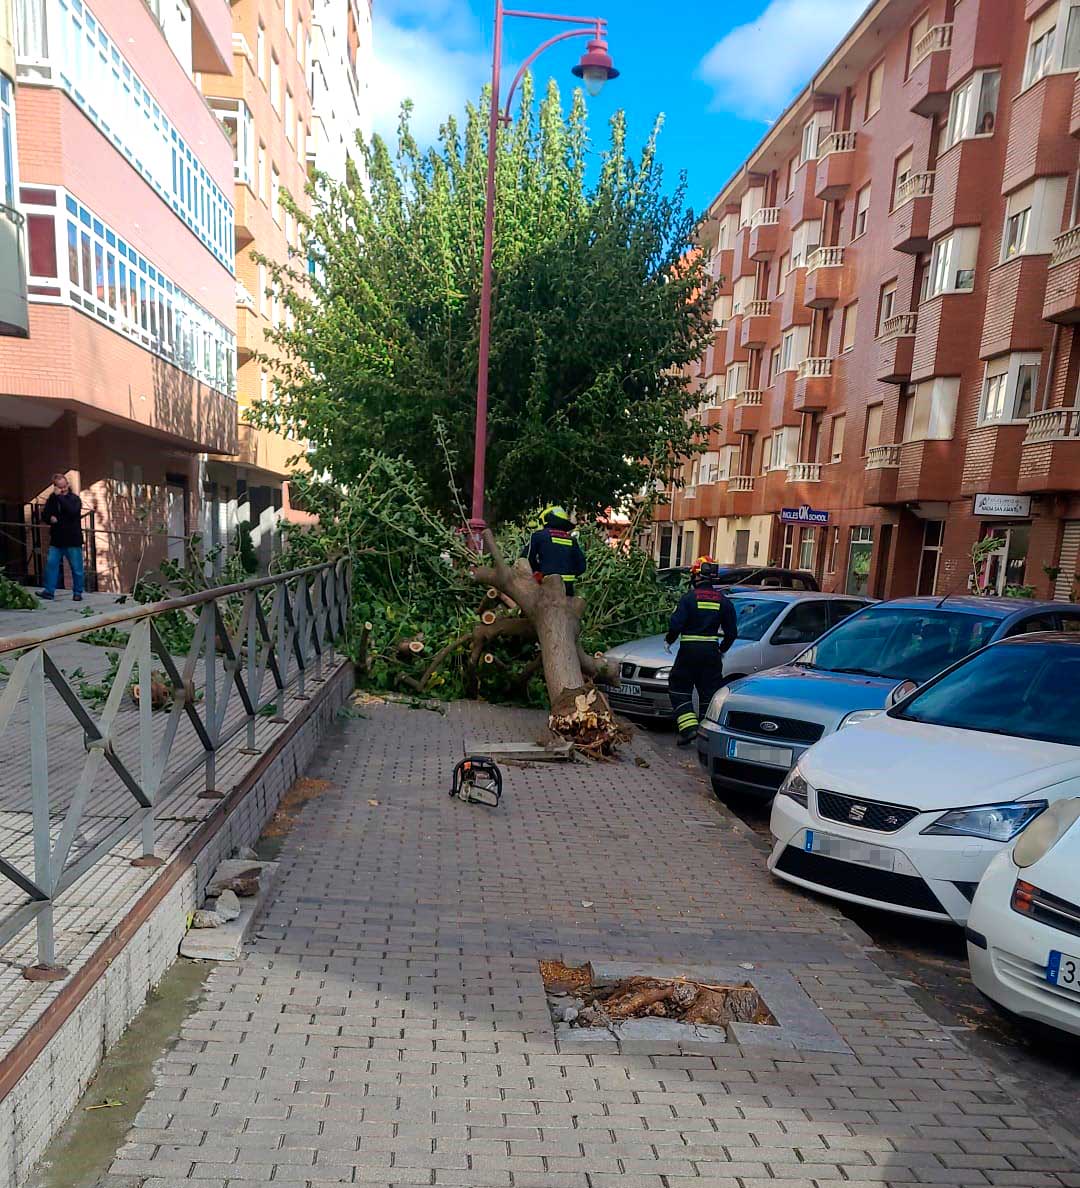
(755,730)
(774,627)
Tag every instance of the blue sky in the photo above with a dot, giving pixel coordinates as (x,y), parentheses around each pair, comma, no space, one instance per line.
(718,71)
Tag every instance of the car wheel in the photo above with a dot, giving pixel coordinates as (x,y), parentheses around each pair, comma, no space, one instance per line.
(738,798)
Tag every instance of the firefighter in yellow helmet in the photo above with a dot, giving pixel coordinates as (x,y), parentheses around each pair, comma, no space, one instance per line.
(705,625)
(553,548)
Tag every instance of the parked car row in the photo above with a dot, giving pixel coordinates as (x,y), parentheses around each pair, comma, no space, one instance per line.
(923,757)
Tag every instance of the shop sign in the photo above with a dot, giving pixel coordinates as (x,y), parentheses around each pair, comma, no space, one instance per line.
(1012,506)
(803,515)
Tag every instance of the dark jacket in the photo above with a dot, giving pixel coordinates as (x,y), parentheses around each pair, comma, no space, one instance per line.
(704,613)
(555,550)
(66,533)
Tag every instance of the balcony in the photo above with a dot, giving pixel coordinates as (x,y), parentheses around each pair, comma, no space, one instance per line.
(14,313)
(909,223)
(813,384)
(926,89)
(1013,318)
(746,415)
(896,345)
(824,277)
(835,166)
(1062,302)
(803,203)
(882,470)
(791,303)
(927,472)
(1050,459)
(764,229)
(741,490)
(758,324)
(956,202)
(945,328)
(713,417)
(804,472)
(720,267)
(742,264)
(992,458)
(1039,144)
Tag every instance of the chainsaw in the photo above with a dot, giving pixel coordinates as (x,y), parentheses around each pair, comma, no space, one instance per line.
(477,780)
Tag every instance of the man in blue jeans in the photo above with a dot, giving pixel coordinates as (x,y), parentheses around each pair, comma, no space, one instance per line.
(63,514)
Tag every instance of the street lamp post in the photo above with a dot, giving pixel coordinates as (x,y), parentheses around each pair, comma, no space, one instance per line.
(594,69)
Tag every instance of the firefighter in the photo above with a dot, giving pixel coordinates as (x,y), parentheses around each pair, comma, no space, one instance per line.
(705,624)
(554,549)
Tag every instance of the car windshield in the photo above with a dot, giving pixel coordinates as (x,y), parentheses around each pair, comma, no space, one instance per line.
(756,614)
(1028,690)
(902,643)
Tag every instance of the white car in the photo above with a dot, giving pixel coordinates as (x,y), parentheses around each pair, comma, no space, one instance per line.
(903,809)
(1023,934)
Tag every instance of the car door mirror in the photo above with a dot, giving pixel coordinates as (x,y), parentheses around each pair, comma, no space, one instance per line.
(897,694)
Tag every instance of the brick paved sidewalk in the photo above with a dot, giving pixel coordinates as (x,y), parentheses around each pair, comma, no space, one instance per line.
(388,1025)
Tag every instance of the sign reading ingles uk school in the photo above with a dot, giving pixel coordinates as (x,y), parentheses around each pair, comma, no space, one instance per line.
(803,515)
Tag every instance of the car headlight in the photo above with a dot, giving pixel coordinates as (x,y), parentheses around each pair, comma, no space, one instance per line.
(796,787)
(716,706)
(857,716)
(995,822)
(662,674)
(1038,840)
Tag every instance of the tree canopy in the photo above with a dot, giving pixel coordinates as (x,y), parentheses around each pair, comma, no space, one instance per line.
(600,301)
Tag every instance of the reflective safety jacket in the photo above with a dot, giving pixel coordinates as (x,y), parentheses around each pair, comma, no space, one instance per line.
(555,550)
(705,614)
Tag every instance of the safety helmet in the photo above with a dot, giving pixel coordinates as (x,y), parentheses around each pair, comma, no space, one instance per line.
(703,569)
(555,513)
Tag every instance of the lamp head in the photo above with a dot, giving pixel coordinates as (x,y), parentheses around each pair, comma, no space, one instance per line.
(596,67)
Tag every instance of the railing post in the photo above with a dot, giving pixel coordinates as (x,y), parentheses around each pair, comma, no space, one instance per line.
(282,641)
(301,637)
(253,693)
(210,791)
(46,969)
(146,744)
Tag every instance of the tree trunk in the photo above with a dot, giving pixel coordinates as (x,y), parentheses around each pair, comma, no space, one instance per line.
(578,711)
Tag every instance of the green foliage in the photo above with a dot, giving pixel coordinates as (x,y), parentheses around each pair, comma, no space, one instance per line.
(245,550)
(96,693)
(105,637)
(16,597)
(600,300)
(1019,591)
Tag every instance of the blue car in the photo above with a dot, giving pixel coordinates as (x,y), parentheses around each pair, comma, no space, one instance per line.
(756,728)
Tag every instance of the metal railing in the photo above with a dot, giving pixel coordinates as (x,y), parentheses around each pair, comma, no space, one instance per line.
(899,325)
(1066,247)
(804,472)
(766,216)
(1053,424)
(882,457)
(937,38)
(282,627)
(816,367)
(836,142)
(916,185)
(825,257)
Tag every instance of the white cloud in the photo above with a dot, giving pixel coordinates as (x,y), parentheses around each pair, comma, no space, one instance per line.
(431,52)
(757,68)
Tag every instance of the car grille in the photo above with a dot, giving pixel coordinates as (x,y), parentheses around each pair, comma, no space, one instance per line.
(883,885)
(1029,976)
(787,728)
(1057,913)
(750,773)
(864,814)
(650,707)
(628,670)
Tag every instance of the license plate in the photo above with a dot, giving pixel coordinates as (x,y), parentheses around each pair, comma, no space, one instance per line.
(1063,969)
(756,753)
(848,850)
(629,690)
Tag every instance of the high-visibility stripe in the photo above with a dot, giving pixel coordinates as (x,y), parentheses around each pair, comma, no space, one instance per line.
(688,719)
(700,638)
(558,540)
(713,606)
(569,577)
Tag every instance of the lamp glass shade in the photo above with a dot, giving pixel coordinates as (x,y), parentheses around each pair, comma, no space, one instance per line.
(594,78)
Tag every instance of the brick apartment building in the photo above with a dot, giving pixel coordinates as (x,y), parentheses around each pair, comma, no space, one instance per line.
(895,366)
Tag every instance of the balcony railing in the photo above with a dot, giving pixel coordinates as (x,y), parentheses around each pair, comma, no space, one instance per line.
(837,142)
(816,367)
(1053,424)
(937,38)
(825,257)
(741,483)
(899,325)
(767,216)
(244,297)
(1066,247)
(750,398)
(804,472)
(917,185)
(881,457)
(758,309)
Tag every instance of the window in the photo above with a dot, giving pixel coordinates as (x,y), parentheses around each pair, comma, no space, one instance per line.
(807,545)
(809,620)
(275,83)
(901,173)
(918,31)
(787,351)
(262,172)
(833,549)
(933,533)
(774,365)
(8,159)
(290,117)
(847,330)
(785,448)
(1040,59)
(862,212)
(952,264)
(1070,58)
(792,167)
(261,53)
(836,445)
(873,89)
(859,553)
(929,410)
(873,427)
(288,15)
(275,194)
(752,201)
(235,118)
(886,305)
(788,549)
(766,454)
(973,108)
(1016,228)
(262,289)
(783,268)
(809,141)
(1033,217)
(805,239)
(1009,388)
